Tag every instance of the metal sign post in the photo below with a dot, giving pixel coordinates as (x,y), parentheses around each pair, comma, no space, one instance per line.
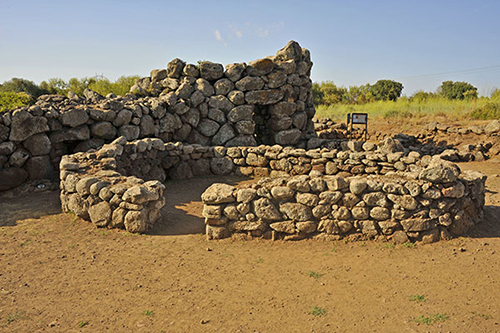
(357,118)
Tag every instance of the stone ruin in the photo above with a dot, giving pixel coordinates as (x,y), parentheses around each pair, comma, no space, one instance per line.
(115,156)
(357,191)
(268,101)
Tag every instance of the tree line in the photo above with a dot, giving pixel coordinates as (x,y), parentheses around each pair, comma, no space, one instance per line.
(58,86)
(327,93)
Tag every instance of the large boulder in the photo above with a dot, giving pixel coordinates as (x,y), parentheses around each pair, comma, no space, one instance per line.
(218,193)
(74,117)
(296,211)
(390,145)
(250,83)
(25,125)
(260,67)
(440,171)
(100,214)
(288,137)
(211,71)
(492,127)
(12,177)
(38,144)
(291,51)
(40,167)
(266,210)
(264,97)
(224,134)
(175,67)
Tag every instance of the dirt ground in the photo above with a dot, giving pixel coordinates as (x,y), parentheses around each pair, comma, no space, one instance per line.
(61,274)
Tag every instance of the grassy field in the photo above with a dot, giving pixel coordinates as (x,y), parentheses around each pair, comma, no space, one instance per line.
(482,108)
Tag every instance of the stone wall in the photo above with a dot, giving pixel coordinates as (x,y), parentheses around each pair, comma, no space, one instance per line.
(93,189)
(267,101)
(391,207)
(377,190)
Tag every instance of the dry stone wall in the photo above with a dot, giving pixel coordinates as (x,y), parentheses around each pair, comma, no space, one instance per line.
(93,189)
(399,208)
(266,101)
(356,190)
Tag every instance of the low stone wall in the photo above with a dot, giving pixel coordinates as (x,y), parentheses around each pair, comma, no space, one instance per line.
(120,186)
(92,189)
(332,207)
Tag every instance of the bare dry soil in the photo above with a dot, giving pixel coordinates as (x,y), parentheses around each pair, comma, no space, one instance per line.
(61,274)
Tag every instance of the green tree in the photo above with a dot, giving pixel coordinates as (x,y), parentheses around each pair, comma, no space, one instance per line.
(359,94)
(18,85)
(457,90)
(421,95)
(387,90)
(317,94)
(331,93)
(55,86)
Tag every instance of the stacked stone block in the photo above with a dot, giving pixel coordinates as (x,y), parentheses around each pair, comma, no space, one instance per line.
(93,189)
(434,206)
(266,101)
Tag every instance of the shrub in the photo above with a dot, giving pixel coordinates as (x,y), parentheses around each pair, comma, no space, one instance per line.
(488,111)
(12,100)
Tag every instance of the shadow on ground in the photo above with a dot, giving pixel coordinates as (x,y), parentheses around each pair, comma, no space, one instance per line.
(489,225)
(28,206)
(183,209)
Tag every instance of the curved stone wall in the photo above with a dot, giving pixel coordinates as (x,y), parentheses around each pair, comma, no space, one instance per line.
(266,101)
(365,190)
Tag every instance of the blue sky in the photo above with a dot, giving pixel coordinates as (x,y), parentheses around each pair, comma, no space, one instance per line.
(351,42)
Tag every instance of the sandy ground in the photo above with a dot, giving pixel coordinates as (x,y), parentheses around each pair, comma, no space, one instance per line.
(61,274)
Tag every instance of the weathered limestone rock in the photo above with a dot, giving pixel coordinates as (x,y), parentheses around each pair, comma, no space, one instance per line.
(380,213)
(263,97)
(266,210)
(140,194)
(357,186)
(296,211)
(440,171)
(136,221)
(306,227)
(175,68)
(246,195)
(260,67)
(218,193)
(221,166)
(287,227)
(492,127)
(211,71)
(413,225)
(100,214)
(390,145)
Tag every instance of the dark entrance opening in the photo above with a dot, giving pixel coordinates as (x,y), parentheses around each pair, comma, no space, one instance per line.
(262,119)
